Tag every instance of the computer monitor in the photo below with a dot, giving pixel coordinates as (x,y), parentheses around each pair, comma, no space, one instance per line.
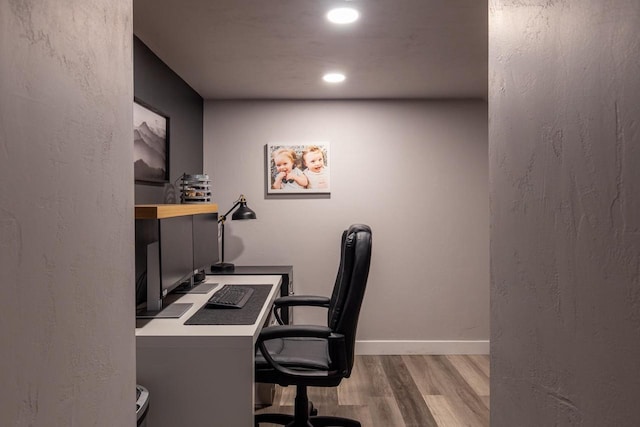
(205,244)
(176,252)
(164,261)
(171,251)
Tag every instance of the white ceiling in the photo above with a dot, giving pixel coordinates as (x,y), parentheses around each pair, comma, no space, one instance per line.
(279,49)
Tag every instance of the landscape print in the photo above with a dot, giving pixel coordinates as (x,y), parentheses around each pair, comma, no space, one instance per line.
(150,145)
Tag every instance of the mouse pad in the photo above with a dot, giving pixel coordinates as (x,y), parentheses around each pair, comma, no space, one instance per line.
(246,315)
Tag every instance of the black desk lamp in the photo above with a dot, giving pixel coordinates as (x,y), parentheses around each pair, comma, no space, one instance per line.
(243,212)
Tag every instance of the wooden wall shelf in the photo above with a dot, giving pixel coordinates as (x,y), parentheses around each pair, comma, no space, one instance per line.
(170,211)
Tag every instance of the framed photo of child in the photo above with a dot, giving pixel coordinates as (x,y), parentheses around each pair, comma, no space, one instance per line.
(298,168)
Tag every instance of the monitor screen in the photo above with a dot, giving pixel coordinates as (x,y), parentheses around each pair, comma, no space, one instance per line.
(205,241)
(176,252)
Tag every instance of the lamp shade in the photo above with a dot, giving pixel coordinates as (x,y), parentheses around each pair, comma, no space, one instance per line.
(243,212)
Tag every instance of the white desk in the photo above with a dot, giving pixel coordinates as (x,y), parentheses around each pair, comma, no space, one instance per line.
(200,375)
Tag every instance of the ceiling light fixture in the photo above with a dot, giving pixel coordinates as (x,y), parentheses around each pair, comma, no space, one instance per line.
(334,77)
(343,15)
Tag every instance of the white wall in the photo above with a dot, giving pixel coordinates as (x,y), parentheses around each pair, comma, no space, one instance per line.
(565,212)
(67,349)
(416,172)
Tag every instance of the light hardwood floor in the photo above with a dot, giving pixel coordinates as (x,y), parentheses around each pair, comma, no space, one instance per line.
(405,391)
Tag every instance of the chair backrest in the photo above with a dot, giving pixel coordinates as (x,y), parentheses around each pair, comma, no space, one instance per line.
(351,282)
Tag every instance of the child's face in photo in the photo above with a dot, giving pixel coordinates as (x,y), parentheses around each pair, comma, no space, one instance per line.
(314,161)
(283,163)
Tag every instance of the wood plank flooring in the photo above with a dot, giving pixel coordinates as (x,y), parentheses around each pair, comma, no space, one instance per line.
(405,391)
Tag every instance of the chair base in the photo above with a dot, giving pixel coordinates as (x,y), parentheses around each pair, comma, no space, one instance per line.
(304,415)
(312,421)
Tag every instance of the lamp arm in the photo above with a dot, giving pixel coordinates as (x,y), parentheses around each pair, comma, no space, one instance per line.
(224,217)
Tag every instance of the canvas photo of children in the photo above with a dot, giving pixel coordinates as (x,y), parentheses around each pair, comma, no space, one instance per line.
(298,168)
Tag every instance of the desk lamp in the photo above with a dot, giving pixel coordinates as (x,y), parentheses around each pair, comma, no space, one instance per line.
(243,212)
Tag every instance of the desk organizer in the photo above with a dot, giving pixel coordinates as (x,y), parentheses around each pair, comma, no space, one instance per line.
(195,189)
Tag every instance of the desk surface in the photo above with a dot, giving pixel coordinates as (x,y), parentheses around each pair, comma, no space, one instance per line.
(175,327)
(286,288)
(201,375)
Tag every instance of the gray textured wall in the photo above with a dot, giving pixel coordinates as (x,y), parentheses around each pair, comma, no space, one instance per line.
(66,214)
(416,172)
(565,212)
(157,85)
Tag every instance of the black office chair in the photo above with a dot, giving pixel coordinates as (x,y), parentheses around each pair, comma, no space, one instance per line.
(318,356)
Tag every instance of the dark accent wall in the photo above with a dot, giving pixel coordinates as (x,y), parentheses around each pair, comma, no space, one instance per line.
(159,86)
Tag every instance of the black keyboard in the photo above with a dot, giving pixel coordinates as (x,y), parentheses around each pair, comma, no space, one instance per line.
(230,296)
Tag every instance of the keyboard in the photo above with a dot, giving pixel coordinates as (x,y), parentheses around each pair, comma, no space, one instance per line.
(230,296)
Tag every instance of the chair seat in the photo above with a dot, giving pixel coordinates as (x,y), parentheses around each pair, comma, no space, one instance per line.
(296,353)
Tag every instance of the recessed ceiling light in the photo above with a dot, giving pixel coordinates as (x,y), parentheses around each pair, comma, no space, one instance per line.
(343,15)
(334,77)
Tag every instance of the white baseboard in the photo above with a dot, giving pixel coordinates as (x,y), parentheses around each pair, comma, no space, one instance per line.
(389,347)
